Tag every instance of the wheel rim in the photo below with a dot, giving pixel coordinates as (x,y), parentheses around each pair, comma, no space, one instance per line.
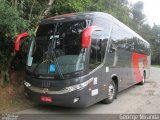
(111,91)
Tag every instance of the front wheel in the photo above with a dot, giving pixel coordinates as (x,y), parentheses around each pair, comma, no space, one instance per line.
(112,91)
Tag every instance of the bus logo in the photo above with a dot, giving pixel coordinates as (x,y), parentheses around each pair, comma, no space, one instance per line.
(45,90)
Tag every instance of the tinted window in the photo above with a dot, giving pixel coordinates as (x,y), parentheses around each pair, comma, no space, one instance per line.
(122,38)
(97,49)
(125,39)
(142,47)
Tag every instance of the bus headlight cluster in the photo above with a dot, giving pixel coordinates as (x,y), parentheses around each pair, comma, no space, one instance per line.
(78,86)
(27,84)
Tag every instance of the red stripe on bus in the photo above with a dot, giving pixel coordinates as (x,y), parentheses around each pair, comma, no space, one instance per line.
(135,60)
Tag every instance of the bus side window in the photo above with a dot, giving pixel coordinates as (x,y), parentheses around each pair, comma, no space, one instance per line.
(139,46)
(96,56)
(117,38)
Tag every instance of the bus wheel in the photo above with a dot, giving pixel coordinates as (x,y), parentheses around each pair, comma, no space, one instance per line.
(143,79)
(112,91)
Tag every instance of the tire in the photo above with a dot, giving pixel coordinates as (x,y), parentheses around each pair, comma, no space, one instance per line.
(143,79)
(112,92)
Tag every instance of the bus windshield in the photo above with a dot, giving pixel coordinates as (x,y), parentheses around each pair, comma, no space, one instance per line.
(57,49)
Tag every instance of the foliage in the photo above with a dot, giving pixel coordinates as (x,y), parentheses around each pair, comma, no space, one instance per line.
(155,43)
(10,25)
(137,11)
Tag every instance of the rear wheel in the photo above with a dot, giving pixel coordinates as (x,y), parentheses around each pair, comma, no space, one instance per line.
(112,91)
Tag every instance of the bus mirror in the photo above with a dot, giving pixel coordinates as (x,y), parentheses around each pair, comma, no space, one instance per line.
(18,39)
(86,35)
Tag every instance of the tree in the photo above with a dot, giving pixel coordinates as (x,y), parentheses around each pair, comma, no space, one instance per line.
(10,25)
(138,15)
(155,43)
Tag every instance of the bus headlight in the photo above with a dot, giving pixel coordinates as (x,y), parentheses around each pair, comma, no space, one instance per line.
(78,86)
(27,84)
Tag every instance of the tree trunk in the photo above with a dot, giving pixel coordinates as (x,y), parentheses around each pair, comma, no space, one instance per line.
(4,78)
(14,3)
(4,74)
(1,79)
(30,14)
(49,7)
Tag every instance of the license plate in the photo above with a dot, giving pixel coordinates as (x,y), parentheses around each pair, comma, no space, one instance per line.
(46,99)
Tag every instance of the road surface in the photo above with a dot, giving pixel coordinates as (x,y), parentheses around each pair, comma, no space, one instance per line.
(136,100)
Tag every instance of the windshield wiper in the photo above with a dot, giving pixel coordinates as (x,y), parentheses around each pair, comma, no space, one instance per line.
(51,49)
(49,57)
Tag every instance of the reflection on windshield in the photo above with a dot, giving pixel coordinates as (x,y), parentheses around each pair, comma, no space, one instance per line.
(57,49)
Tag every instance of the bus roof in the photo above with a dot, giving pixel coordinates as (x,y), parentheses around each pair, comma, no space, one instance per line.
(75,16)
(88,15)
(68,17)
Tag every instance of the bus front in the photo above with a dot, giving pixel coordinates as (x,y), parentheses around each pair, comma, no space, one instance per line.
(56,66)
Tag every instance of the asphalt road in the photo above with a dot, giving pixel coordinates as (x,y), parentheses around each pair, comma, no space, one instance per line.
(136,100)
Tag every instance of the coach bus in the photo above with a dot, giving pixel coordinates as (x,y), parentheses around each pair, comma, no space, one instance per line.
(79,59)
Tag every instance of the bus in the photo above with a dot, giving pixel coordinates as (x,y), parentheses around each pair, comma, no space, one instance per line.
(79,59)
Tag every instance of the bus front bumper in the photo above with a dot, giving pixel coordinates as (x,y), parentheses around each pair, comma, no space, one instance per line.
(66,98)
